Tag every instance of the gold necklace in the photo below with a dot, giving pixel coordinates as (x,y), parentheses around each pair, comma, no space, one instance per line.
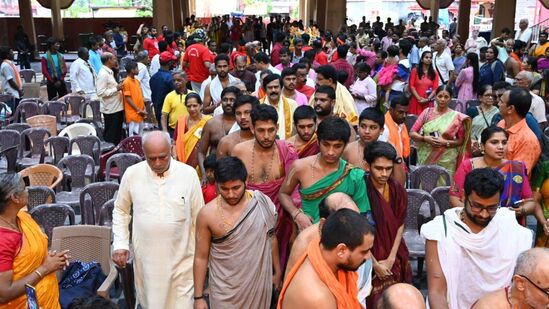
(12,226)
(226,224)
(313,167)
(270,166)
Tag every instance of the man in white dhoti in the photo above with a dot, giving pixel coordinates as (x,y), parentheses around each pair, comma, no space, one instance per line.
(471,251)
(165,196)
(235,237)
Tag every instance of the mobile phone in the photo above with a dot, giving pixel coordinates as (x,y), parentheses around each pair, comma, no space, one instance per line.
(435,134)
(517,203)
(32,302)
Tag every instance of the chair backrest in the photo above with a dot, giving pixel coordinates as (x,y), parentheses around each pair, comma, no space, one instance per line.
(472,103)
(77,129)
(28,75)
(75,103)
(57,109)
(77,166)
(58,146)
(9,138)
(105,215)
(27,109)
(427,177)
(96,125)
(410,120)
(36,138)
(89,145)
(442,198)
(86,243)
(95,107)
(132,144)
(19,127)
(49,216)
(47,122)
(8,99)
(122,161)
(92,198)
(11,156)
(416,198)
(39,195)
(43,175)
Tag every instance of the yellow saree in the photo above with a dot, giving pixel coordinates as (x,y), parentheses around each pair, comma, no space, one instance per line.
(186,143)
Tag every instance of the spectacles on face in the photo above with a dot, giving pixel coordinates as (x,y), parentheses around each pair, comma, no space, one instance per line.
(490,96)
(546,292)
(478,208)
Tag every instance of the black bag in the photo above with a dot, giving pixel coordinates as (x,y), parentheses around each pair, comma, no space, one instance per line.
(80,280)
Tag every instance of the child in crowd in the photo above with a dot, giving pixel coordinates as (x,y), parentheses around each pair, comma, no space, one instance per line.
(134,103)
(209,190)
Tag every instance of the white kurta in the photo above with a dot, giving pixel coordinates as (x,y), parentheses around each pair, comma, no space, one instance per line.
(163,239)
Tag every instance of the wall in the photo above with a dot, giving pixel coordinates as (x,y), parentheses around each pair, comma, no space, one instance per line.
(71,26)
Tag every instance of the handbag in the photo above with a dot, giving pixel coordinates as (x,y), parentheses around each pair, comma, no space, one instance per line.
(80,280)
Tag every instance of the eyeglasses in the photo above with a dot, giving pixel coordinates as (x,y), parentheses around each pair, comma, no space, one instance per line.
(490,96)
(546,292)
(478,209)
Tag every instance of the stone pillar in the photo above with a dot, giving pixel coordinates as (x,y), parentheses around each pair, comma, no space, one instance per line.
(463,19)
(163,13)
(25,14)
(303,11)
(56,20)
(504,16)
(336,12)
(178,14)
(435,6)
(311,11)
(321,6)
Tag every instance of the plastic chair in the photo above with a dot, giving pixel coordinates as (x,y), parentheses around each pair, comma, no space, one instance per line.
(42,175)
(95,107)
(75,103)
(19,127)
(47,122)
(5,113)
(130,144)
(472,103)
(76,166)
(35,137)
(105,215)
(105,146)
(77,129)
(10,163)
(8,99)
(92,198)
(39,195)
(49,216)
(28,75)
(87,144)
(413,222)
(26,109)
(58,147)
(57,109)
(410,120)
(427,177)
(9,138)
(441,195)
(121,162)
(149,123)
(87,243)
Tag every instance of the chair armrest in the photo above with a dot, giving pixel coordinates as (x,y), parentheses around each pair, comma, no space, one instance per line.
(107,284)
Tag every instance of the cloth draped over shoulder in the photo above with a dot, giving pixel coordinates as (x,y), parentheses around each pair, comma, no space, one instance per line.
(237,278)
(58,71)
(34,249)
(347,179)
(309,149)
(476,264)
(284,225)
(187,141)
(216,88)
(345,106)
(389,217)
(343,286)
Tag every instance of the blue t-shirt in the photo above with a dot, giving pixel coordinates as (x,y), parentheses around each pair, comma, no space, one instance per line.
(161,84)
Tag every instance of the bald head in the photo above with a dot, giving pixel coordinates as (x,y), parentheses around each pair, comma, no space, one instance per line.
(334,202)
(533,262)
(401,296)
(157,149)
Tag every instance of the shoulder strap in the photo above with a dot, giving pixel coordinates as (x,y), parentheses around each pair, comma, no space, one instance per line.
(445,226)
(439,75)
(482,112)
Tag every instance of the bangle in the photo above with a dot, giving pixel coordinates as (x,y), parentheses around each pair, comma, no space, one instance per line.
(198,297)
(296,213)
(39,274)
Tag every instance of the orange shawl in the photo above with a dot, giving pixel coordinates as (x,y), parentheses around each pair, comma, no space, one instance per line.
(400,142)
(33,252)
(344,287)
(16,75)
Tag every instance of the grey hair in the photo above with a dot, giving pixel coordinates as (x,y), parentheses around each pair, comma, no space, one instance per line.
(180,73)
(525,20)
(152,134)
(106,56)
(241,58)
(142,55)
(10,183)
(529,259)
(443,42)
(528,75)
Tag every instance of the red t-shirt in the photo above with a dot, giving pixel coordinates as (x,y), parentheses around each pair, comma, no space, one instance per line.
(10,244)
(196,55)
(209,192)
(151,46)
(321,58)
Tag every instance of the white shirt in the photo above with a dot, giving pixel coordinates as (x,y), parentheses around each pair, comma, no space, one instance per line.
(444,64)
(424,49)
(109,95)
(398,85)
(524,36)
(6,74)
(538,108)
(155,64)
(144,77)
(258,75)
(82,77)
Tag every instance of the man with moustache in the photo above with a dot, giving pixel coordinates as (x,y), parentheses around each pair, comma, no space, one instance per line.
(267,161)
(285,107)
(217,127)
(530,286)
(471,250)
(242,111)
(305,125)
(241,72)
(212,92)
(234,230)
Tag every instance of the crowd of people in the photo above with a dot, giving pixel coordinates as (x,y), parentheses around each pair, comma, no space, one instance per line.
(278,175)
